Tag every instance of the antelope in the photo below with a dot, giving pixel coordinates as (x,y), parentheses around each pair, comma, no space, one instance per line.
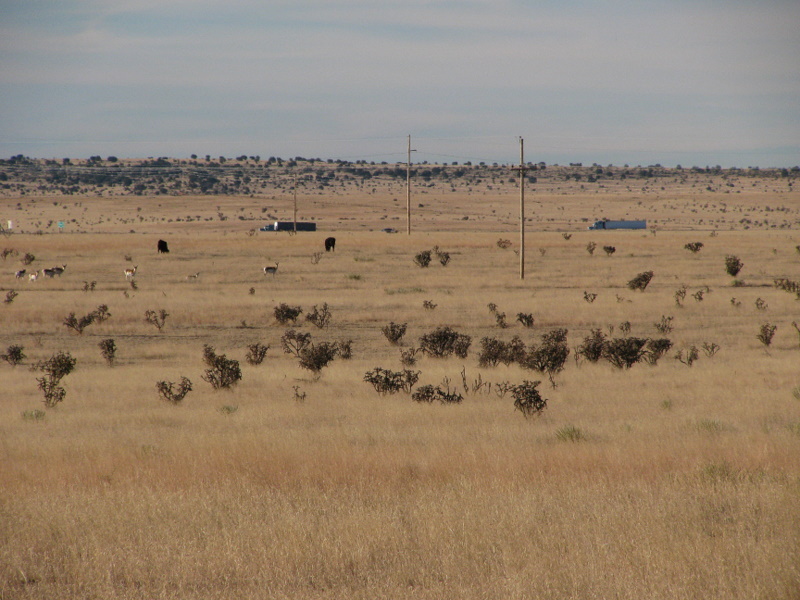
(20,274)
(273,270)
(59,270)
(48,273)
(130,273)
(193,277)
(33,276)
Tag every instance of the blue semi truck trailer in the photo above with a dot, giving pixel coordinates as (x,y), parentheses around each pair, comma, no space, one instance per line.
(606,224)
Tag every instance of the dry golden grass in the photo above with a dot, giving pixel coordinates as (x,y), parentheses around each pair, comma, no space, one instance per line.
(679,482)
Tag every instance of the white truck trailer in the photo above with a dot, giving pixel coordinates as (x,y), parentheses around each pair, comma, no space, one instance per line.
(606,224)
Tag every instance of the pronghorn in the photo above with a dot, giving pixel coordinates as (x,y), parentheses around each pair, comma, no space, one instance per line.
(193,277)
(33,276)
(130,273)
(59,270)
(48,273)
(273,270)
(20,274)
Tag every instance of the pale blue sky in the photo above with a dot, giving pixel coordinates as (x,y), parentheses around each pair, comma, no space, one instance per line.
(691,82)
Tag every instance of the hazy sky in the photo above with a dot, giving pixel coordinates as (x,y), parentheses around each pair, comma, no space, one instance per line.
(691,82)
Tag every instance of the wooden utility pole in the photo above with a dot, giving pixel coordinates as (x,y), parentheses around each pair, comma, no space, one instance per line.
(295,203)
(522,168)
(408,188)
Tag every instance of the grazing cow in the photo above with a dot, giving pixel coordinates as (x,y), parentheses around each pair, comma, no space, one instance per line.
(330,244)
(130,273)
(162,247)
(20,274)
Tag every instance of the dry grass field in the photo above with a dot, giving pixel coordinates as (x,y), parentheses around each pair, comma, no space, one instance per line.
(660,481)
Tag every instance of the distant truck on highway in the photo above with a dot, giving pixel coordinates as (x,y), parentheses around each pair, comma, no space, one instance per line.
(606,224)
(289,226)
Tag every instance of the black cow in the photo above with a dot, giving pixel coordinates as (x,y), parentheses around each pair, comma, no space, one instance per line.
(330,244)
(162,247)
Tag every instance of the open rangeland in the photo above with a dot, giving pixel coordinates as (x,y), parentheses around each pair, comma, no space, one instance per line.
(673,480)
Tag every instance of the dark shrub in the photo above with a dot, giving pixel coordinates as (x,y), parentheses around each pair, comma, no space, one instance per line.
(423,259)
(391,382)
(13,355)
(429,393)
(171,393)
(320,317)
(624,352)
(694,247)
(641,281)
(443,341)
(394,332)
(655,349)
(285,313)
(108,348)
(733,265)
(222,373)
(527,398)
(294,342)
(316,357)
(592,347)
(256,353)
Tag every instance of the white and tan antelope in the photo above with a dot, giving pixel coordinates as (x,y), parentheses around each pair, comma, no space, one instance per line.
(193,277)
(271,270)
(131,273)
(20,274)
(33,276)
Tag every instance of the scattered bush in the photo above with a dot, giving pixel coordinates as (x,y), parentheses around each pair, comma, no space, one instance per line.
(766,333)
(345,349)
(294,342)
(170,392)
(609,250)
(320,317)
(664,325)
(316,357)
(108,348)
(394,332)
(285,313)
(655,349)
(443,342)
(551,356)
(408,358)
(423,259)
(527,398)
(99,315)
(33,415)
(256,353)
(494,351)
(694,247)
(589,296)
(526,319)
(428,304)
(10,295)
(761,304)
(391,382)
(55,369)
(28,258)
(624,352)
(503,244)
(156,319)
(13,355)
(592,347)
(500,318)
(733,265)
(429,393)
(641,281)
(680,295)
(590,247)
(444,257)
(710,348)
(688,356)
(222,372)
